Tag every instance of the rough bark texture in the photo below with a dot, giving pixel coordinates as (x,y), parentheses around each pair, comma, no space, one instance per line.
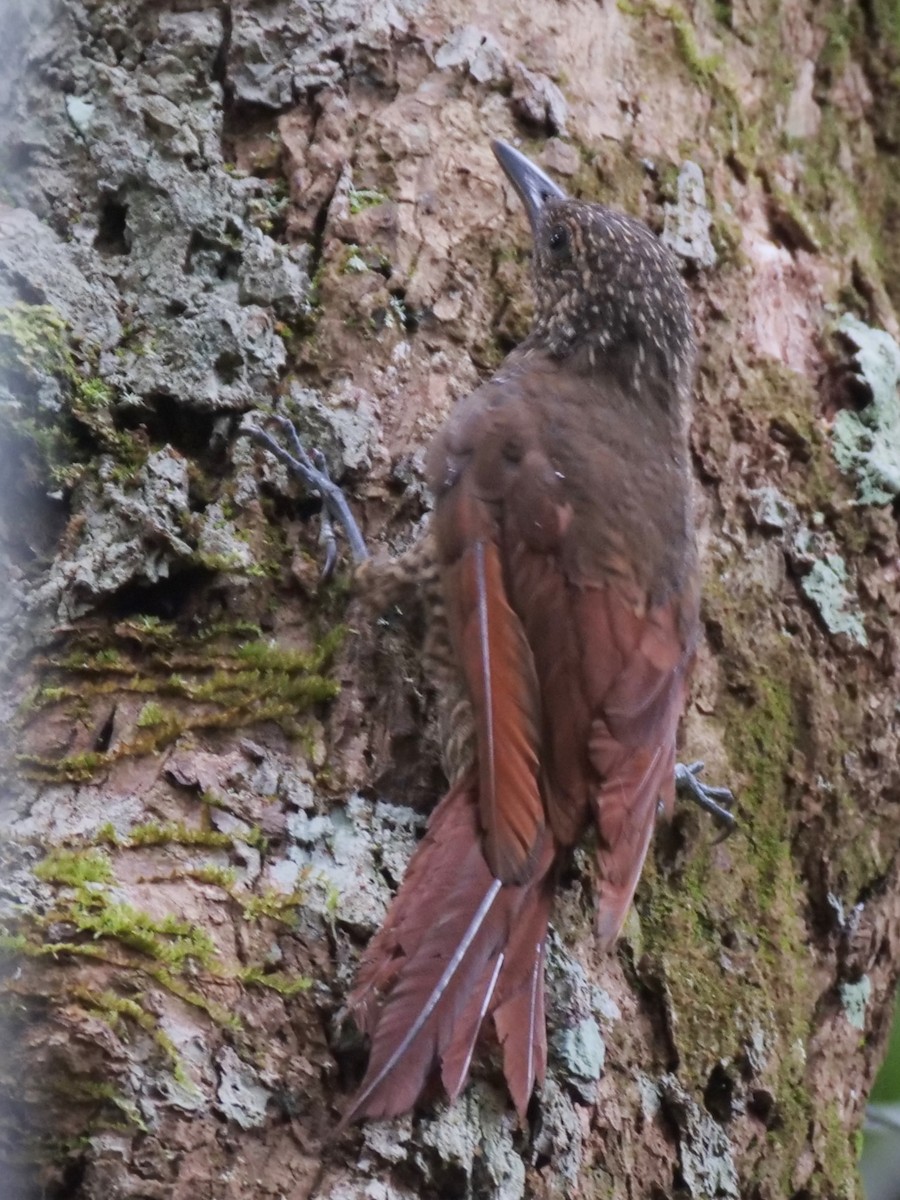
(215,771)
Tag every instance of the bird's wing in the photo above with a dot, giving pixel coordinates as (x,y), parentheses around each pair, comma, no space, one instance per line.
(612,661)
(632,740)
(575,669)
(499,671)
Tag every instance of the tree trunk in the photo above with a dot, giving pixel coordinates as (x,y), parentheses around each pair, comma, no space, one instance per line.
(216,768)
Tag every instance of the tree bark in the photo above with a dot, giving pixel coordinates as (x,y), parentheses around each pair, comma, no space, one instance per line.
(215,768)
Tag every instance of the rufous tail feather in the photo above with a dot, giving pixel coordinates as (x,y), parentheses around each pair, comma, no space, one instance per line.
(457,947)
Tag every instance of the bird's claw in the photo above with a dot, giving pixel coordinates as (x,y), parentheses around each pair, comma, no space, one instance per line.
(311,469)
(712,800)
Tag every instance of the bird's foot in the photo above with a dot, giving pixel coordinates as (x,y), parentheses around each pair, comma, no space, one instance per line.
(310,468)
(713,800)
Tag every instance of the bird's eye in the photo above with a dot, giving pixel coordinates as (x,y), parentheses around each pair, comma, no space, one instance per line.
(558,241)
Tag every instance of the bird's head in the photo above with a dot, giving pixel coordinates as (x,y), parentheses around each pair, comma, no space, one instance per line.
(607,292)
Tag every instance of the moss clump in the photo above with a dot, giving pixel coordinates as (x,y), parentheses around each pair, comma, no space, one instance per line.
(708,71)
(286,985)
(87,904)
(704,68)
(73,768)
(33,339)
(176,833)
(153,833)
(100,1094)
(32,347)
(731,983)
(217,1013)
(219,680)
(223,877)
(73,868)
(359,199)
(836,1178)
(35,344)
(118,1011)
(166,949)
(169,940)
(884,19)
(152,715)
(280,906)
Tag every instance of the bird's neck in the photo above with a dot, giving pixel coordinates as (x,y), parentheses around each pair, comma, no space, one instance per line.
(649,377)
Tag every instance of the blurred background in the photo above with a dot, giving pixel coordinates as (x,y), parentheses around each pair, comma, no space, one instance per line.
(880,1163)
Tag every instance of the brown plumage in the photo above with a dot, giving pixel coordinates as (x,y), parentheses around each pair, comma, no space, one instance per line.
(564,538)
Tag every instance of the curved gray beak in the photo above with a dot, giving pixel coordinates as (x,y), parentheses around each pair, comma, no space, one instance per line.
(534,187)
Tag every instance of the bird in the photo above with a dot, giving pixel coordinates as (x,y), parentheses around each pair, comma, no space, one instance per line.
(566,580)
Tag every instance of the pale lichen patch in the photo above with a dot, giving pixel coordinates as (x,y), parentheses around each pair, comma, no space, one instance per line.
(867,443)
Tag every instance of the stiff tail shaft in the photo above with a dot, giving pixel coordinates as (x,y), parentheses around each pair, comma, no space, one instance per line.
(457,946)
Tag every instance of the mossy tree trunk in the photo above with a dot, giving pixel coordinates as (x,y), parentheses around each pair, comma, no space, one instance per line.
(215,769)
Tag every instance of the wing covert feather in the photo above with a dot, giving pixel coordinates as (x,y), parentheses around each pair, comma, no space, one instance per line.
(498,666)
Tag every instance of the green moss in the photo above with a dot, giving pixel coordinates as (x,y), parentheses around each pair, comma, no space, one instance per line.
(75,867)
(286,985)
(176,833)
(167,949)
(33,339)
(107,833)
(86,903)
(117,1010)
(35,343)
(147,624)
(708,71)
(836,1177)
(838,37)
(152,715)
(220,1015)
(703,68)
(359,199)
(219,680)
(727,239)
(212,799)
(169,939)
(731,982)
(761,741)
(77,1090)
(223,877)
(72,768)
(153,833)
(885,17)
(94,394)
(280,906)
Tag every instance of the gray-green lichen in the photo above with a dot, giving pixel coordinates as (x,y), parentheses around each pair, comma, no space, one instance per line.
(855,998)
(707,1166)
(333,853)
(240,1094)
(826,585)
(469,1142)
(454,1136)
(130,533)
(582,1053)
(577,1049)
(867,443)
(688,220)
